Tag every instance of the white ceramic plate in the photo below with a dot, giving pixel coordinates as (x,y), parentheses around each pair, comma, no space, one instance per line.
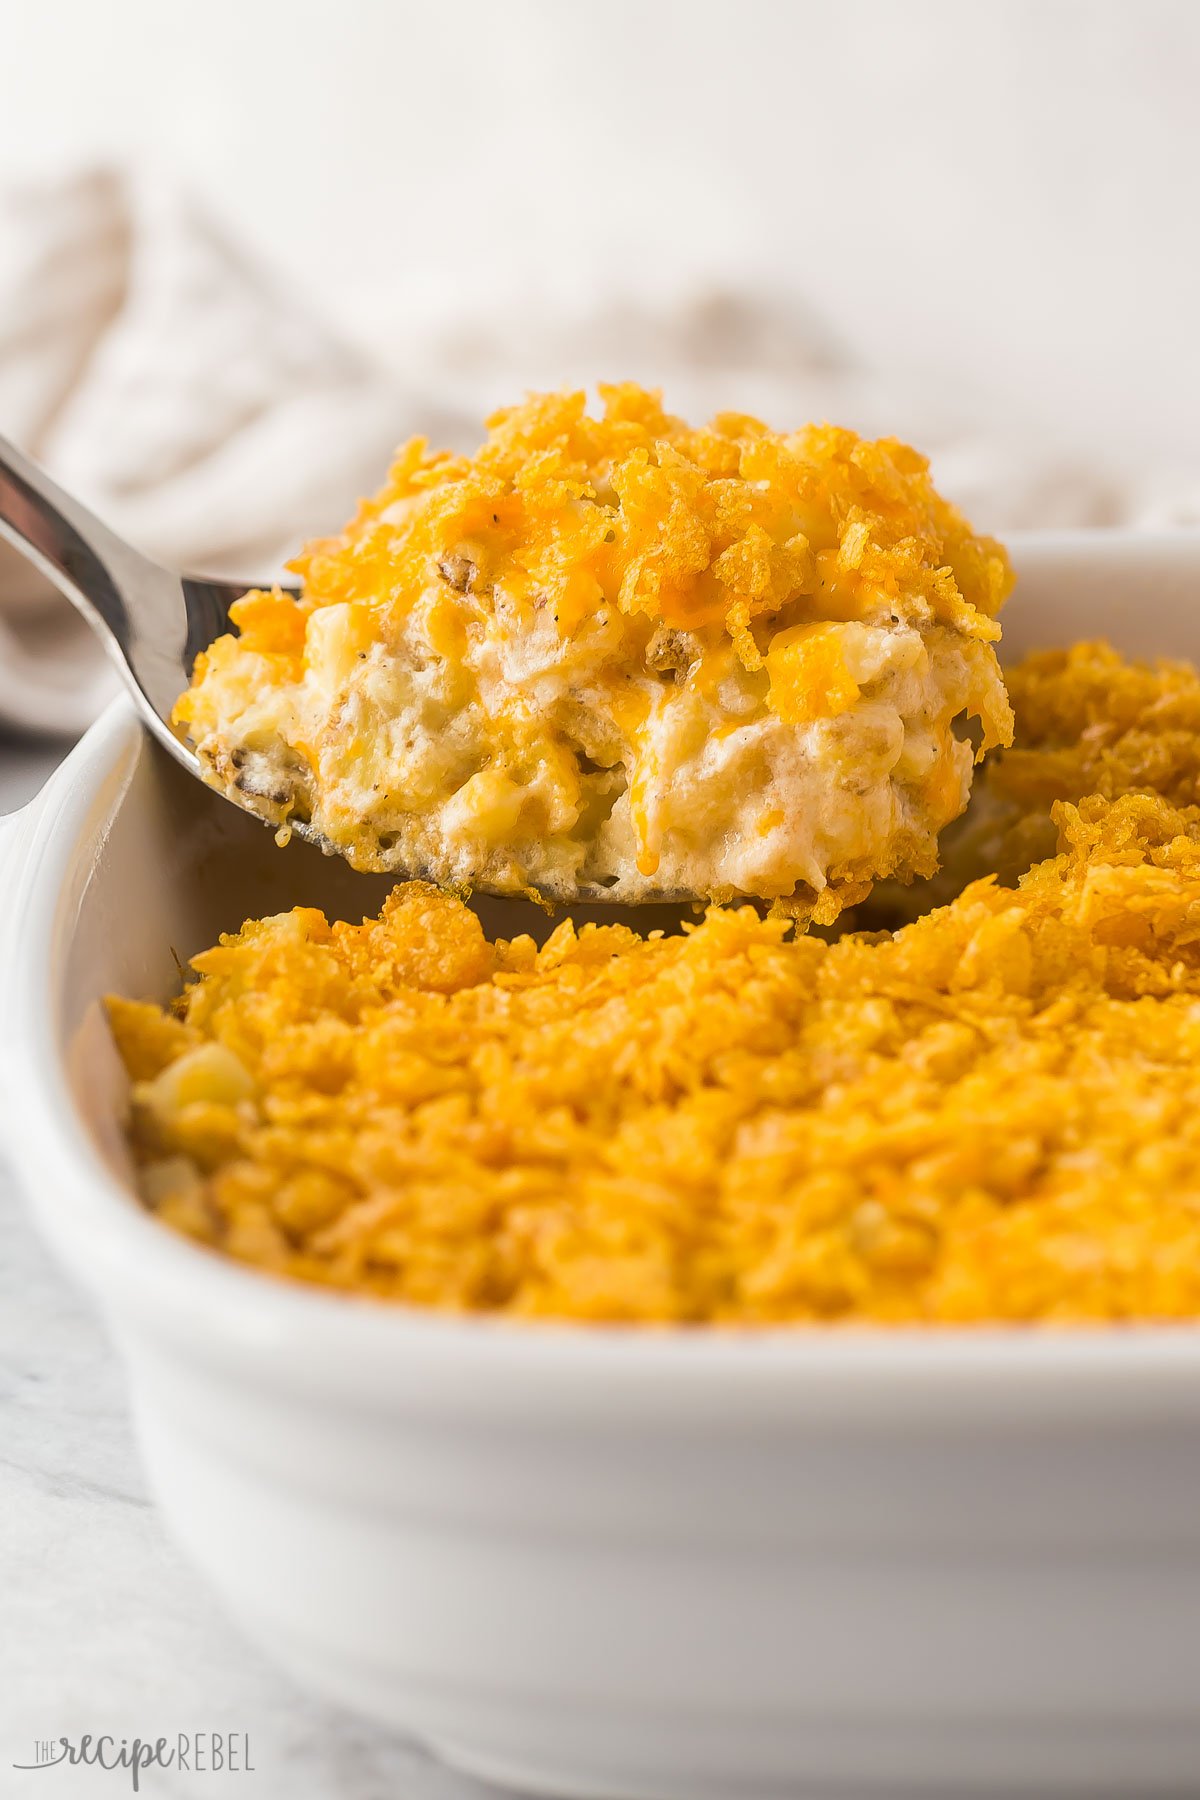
(597,1561)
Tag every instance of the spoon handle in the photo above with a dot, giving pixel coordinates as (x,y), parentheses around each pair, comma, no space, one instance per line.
(132,603)
(89,563)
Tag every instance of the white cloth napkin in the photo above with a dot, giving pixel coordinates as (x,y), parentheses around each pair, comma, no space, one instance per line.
(203,410)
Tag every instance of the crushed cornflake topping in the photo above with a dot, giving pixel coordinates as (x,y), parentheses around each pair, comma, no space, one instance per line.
(717,527)
(991,1114)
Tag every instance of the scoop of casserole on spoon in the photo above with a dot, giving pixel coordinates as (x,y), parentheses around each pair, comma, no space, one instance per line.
(606,658)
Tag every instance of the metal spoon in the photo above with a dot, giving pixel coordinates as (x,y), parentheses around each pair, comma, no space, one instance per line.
(152,622)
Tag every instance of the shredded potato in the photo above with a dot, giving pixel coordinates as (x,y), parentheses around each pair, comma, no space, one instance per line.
(991,1114)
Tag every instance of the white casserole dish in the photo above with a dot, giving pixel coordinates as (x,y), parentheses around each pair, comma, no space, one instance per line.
(594,1561)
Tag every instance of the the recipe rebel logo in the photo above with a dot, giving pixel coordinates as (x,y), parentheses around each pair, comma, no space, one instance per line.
(198,1753)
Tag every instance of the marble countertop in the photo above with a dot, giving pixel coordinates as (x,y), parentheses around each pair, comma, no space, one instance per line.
(103,1626)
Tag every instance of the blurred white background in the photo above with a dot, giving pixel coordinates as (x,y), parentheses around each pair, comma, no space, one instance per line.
(247,246)
(997,197)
